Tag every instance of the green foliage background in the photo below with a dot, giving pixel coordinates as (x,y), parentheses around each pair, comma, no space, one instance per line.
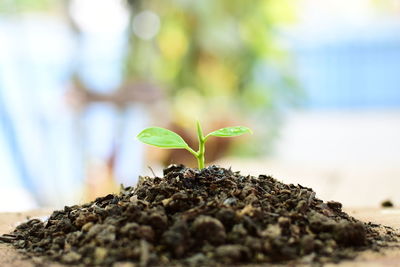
(220,59)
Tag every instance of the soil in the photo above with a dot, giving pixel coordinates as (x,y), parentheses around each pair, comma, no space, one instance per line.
(201,218)
(387,204)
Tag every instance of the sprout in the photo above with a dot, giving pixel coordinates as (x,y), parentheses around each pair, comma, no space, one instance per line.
(164,138)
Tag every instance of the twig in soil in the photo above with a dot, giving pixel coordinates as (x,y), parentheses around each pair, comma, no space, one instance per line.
(8,238)
(144,253)
(312,196)
(151,169)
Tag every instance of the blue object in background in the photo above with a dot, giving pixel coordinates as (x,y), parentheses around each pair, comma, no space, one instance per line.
(351,72)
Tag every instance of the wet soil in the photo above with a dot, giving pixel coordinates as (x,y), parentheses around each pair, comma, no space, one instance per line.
(201,218)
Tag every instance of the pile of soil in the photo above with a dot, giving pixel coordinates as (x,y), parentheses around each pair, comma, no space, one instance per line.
(207,217)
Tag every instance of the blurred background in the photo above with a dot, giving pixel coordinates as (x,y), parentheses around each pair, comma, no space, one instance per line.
(317,81)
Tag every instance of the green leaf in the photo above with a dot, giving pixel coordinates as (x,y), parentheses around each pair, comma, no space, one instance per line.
(161,137)
(231,131)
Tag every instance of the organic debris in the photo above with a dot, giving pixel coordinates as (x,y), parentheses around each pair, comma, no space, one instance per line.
(387,204)
(208,217)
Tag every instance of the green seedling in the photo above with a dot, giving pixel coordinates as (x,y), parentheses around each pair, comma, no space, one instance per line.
(164,138)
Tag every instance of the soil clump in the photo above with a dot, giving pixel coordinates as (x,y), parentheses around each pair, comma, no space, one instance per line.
(387,204)
(201,218)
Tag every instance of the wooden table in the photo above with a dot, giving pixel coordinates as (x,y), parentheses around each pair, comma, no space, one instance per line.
(390,257)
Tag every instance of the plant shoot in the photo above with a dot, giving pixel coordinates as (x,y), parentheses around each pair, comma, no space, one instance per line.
(164,138)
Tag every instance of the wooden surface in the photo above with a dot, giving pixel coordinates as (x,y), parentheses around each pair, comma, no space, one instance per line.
(389,257)
(8,256)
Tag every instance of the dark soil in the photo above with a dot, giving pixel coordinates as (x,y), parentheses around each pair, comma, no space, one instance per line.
(207,217)
(387,204)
